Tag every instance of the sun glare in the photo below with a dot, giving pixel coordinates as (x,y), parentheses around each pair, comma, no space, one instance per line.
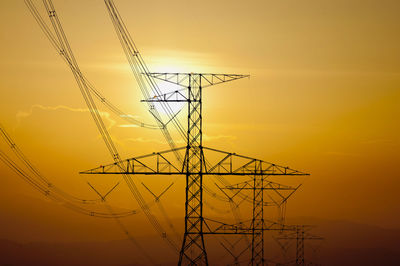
(168,89)
(171,61)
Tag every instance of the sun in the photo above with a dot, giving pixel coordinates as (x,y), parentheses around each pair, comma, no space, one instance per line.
(173,108)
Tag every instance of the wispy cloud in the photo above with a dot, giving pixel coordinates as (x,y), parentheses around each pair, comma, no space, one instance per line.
(24,114)
(129,125)
(105,115)
(219,137)
(144,140)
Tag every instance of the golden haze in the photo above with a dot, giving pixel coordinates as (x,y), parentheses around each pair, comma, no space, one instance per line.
(323,97)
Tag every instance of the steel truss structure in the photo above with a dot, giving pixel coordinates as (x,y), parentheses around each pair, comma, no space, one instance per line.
(258,225)
(300,233)
(195,166)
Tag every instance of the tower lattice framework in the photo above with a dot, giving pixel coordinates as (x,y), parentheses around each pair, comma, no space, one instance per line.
(194,167)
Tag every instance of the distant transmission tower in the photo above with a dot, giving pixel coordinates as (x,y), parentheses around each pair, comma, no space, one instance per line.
(259,225)
(300,233)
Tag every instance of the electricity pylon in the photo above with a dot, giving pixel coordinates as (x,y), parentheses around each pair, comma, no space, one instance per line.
(193,250)
(195,165)
(300,233)
(258,185)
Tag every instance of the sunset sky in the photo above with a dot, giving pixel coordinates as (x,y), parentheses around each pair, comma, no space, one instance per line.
(323,97)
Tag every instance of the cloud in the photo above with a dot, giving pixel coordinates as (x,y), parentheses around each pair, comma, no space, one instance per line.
(144,140)
(105,115)
(24,114)
(211,138)
(129,125)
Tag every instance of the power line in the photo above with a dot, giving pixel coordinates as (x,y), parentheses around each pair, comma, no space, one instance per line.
(194,165)
(61,42)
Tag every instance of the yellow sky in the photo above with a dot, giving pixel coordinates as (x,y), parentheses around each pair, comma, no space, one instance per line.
(323,96)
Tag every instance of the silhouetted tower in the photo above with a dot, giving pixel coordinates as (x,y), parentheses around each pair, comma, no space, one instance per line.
(300,245)
(193,251)
(195,166)
(258,185)
(300,233)
(257,247)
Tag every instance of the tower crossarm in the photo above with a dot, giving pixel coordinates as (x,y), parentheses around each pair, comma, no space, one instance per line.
(208,79)
(281,192)
(163,163)
(267,185)
(306,237)
(295,232)
(213,227)
(186,80)
(235,164)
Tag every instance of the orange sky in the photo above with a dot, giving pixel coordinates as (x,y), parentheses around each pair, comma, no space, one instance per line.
(323,97)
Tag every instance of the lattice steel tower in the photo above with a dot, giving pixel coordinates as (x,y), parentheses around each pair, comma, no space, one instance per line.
(193,251)
(194,166)
(300,233)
